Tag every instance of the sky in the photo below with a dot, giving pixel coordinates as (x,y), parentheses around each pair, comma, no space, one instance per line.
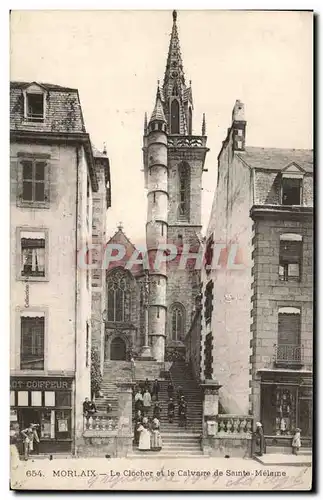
(115,58)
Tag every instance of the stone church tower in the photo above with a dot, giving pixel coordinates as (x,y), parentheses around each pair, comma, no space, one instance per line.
(173,164)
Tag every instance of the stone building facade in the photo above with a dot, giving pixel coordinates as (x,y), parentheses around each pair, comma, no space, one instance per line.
(257,291)
(54,179)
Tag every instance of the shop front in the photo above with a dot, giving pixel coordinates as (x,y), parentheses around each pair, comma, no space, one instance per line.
(46,401)
(286,403)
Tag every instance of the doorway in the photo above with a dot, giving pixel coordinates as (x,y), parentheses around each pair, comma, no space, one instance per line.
(118,350)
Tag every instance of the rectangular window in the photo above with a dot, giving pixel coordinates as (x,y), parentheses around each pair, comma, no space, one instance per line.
(290,253)
(289,349)
(63,424)
(32,342)
(36,398)
(32,253)
(35,107)
(291,191)
(63,398)
(23,398)
(46,430)
(49,398)
(12,398)
(33,181)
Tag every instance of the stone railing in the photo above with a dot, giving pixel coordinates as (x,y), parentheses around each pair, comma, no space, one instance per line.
(100,423)
(187,142)
(234,425)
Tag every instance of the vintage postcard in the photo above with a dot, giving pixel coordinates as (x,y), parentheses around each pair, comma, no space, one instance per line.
(161,181)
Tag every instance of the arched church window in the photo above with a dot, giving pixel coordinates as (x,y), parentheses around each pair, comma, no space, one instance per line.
(184,190)
(174,110)
(177,321)
(118,291)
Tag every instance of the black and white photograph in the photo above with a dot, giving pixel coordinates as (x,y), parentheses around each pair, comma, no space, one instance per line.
(161,250)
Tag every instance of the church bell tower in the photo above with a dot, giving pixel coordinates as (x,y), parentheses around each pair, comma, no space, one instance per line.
(173,164)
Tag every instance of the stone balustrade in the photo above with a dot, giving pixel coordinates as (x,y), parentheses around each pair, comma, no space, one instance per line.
(100,423)
(241,425)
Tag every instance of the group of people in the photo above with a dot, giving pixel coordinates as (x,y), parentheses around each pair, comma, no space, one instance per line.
(147,432)
(260,441)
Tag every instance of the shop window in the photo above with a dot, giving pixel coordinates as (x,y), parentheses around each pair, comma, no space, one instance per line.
(32,341)
(290,254)
(49,398)
(36,398)
(291,191)
(32,249)
(12,398)
(279,410)
(23,398)
(63,424)
(63,398)
(33,182)
(47,425)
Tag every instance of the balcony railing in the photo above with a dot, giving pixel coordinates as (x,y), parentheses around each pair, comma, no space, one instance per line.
(289,354)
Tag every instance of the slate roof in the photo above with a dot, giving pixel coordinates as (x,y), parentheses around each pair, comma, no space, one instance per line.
(276,159)
(47,86)
(63,113)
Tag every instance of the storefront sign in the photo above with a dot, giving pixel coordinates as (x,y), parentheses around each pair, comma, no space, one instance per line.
(38,384)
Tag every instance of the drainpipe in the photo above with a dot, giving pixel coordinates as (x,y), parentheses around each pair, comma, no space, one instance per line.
(76,291)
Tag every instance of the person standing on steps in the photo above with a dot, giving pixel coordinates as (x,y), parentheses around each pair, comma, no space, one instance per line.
(156,440)
(138,400)
(137,423)
(147,386)
(146,399)
(157,410)
(144,439)
(171,410)
(170,390)
(182,412)
(156,389)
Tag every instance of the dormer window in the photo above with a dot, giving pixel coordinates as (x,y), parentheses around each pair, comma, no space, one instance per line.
(34,104)
(291,191)
(292,180)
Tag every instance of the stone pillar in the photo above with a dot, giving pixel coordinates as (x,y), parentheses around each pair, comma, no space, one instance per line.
(210,406)
(125,435)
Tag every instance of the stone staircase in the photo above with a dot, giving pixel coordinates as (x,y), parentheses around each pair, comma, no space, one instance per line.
(114,372)
(178,441)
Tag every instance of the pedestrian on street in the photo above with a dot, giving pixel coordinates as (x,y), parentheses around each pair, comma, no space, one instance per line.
(296,443)
(260,440)
(29,435)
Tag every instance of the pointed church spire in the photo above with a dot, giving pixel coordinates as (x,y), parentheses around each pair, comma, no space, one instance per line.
(158,113)
(174,66)
(203,125)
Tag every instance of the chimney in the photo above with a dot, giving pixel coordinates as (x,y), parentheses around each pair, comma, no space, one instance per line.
(238,127)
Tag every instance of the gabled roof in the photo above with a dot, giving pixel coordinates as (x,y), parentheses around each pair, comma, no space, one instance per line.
(277,159)
(47,86)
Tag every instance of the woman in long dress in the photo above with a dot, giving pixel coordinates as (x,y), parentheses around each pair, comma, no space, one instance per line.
(156,440)
(144,439)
